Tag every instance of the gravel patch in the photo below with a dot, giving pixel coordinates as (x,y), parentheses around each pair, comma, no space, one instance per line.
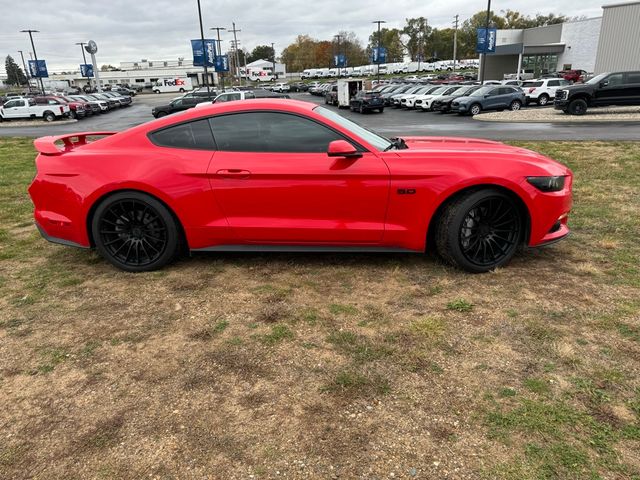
(551,115)
(34,123)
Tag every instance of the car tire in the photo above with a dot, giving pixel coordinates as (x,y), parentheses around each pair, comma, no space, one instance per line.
(577,107)
(381,110)
(467,235)
(182,90)
(543,99)
(48,116)
(475,109)
(73,115)
(361,109)
(161,114)
(515,105)
(135,232)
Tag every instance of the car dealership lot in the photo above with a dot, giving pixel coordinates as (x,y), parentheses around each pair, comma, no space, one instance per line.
(321,366)
(392,122)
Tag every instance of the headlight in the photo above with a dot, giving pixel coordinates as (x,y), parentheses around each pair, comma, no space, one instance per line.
(547,184)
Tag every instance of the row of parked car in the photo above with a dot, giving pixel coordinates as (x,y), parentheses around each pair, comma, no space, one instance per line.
(54,105)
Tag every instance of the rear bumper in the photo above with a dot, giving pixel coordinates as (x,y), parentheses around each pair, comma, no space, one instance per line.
(59,241)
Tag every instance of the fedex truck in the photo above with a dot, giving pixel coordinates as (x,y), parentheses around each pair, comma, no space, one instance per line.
(173,84)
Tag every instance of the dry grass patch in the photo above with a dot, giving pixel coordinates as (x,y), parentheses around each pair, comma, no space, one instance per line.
(317,366)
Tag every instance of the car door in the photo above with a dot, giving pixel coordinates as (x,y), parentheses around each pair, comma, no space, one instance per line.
(611,90)
(275,183)
(632,87)
(491,99)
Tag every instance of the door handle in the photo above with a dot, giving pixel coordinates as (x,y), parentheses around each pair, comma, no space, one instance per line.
(233,173)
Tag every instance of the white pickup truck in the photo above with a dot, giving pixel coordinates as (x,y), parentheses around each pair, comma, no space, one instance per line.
(25,107)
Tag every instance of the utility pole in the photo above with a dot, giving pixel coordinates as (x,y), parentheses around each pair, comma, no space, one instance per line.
(204,53)
(273,53)
(84,59)
(483,59)
(235,43)
(338,38)
(219,52)
(30,32)
(379,43)
(26,72)
(455,42)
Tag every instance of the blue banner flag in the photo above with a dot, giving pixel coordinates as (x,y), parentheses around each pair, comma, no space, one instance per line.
(38,68)
(379,55)
(201,54)
(486,40)
(222,63)
(340,60)
(86,70)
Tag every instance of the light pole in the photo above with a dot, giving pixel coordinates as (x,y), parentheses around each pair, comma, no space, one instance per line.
(26,72)
(235,44)
(455,42)
(30,32)
(219,52)
(84,59)
(379,43)
(483,59)
(273,60)
(204,54)
(338,38)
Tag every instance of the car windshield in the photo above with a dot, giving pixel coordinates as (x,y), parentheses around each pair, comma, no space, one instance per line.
(438,90)
(372,138)
(597,78)
(481,91)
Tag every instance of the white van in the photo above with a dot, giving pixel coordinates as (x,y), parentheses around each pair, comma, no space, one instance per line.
(173,84)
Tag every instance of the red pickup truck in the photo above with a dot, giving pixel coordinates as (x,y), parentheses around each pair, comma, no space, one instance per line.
(76,109)
(573,75)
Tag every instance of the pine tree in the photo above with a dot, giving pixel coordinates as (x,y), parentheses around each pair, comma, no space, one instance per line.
(15,75)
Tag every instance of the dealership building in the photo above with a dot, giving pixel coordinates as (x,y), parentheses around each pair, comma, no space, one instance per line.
(602,44)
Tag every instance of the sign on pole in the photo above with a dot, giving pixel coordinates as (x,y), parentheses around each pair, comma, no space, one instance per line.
(486,40)
(340,60)
(86,70)
(38,68)
(200,53)
(379,55)
(222,63)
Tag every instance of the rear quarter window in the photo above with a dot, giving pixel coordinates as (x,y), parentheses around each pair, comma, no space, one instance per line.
(194,135)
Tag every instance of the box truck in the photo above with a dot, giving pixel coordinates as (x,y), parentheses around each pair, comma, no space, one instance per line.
(173,84)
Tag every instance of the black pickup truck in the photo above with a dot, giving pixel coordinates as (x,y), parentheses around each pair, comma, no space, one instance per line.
(606,89)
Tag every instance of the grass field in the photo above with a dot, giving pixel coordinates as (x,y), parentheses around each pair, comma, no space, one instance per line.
(327,366)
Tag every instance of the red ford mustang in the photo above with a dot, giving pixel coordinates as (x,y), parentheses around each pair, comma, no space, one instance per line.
(284,175)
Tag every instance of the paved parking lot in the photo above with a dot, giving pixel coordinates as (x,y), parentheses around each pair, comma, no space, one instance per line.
(391,123)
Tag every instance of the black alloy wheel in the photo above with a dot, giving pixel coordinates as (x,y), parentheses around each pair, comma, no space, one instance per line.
(480,231)
(135,232)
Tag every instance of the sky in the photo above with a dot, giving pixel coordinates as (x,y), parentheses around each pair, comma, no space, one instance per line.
(130,30)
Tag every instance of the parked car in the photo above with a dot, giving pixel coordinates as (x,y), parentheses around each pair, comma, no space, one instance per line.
(101,104)
(489,98)
(298,87)
(617,88)
(123,91)
(542,91)
(366,100)
(89,109)
(407,100)
(443,102)
(177,105)
(572,75)
(22,107)
(281,88)
(142,195)
(111,102)
(248,95)
(124,101)
(331,97)
(76,109)
(401,88)
(395,98)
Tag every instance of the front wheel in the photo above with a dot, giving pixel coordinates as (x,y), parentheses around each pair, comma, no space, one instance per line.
(135,232)
(381,110)
(475,109)
(49,117)
(578,107)
(361,109)
(515,105)
(479,231)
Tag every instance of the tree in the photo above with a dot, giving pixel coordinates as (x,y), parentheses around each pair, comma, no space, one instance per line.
(440,44)
(415,32)
(351,47)
(306,52)
(467,35)
(514,19)
(109,68)
(390,38)
(261,52)
(15,75)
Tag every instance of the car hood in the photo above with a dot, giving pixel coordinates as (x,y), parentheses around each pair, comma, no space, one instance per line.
(458,148)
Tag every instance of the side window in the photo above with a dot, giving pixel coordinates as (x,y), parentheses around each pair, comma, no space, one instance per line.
(633,77)
(19,103)
(270,132)
(554,83)
(494,92)
(614,79)
(9,104)
(249,95)
(192,135)
(177,103)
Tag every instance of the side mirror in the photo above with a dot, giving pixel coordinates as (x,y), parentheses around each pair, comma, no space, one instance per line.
(604,83)
(342,148)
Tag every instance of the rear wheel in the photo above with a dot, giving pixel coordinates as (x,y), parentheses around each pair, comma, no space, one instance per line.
(479,231)
(135,232)
(73,114)
(543,99)
(48,116)
(577,107)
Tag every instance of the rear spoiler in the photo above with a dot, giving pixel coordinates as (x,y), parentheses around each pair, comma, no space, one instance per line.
(47,145)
